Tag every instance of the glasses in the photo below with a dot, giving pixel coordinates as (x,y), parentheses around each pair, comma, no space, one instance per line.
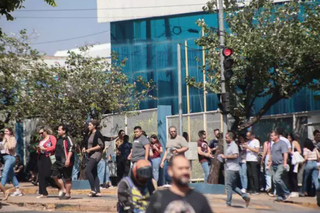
(40,133)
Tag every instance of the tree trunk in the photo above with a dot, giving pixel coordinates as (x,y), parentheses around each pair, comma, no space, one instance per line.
(215,164)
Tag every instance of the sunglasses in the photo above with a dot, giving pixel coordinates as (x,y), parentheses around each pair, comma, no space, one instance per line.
(40,133)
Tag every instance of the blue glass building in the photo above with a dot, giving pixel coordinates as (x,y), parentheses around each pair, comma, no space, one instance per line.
(150,44)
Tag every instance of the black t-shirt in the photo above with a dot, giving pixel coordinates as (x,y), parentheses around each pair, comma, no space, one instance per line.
(166,201)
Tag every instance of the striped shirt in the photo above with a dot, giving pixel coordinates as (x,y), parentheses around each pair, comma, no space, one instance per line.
(311,155)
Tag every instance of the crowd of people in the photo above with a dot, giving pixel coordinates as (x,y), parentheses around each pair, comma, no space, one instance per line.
(282,166)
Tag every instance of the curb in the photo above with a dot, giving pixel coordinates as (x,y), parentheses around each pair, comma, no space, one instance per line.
(52,191)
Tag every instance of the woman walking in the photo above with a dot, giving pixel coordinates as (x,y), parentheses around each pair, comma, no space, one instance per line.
(46,148)
(265,163)
(119,160)
(312,156)
(9,145)
(156,156)
(293,173)
(93,149)
(243,164)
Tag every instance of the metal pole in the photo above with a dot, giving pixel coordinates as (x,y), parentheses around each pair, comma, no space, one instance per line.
(204,88)
(179,88)
(188,95)
(223,84)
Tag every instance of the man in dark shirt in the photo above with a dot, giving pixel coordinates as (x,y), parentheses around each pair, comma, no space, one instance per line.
(180,197)
(124,163)
(62,167)
(213,144)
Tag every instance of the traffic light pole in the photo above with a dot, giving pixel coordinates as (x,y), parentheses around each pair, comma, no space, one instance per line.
(223,83)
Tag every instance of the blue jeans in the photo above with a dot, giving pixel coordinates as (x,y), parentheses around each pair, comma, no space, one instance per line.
(166,175)
(103,171)
(76,167)
(206,169)
(8,172)
(281,187)
(232,178)
(243,175)
(310,169)
(267,174)
(155,167)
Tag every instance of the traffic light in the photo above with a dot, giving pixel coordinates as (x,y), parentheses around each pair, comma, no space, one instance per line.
(224,102)
(227,63)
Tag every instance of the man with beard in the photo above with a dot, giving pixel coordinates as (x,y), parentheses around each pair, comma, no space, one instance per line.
(213,144)
(133,193)
(180,198)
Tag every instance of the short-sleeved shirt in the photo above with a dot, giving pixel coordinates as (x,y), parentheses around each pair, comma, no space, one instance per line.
(175,143)
(125,149)
(97,155)
(252,156)
(138,150)
(232,164)
(311,155)
(156,154)
(204,148)
(213,144)
(277,151)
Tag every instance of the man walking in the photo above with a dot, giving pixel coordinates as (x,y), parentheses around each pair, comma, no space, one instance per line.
(232,169)
(176,145)
(140,146)
(279,157)
(252,146)
(204,153)
(180,197)
(62,167)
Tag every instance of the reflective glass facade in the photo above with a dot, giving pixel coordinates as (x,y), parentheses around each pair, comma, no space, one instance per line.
(151,48)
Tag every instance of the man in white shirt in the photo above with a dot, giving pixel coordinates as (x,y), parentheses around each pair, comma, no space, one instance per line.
(280,131)
(253,147)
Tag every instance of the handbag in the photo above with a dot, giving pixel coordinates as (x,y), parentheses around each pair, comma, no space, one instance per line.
(297,158)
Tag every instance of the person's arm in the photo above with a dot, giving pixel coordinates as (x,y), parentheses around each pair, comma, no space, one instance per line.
(97,147)
(255,149)
(146,154)
(160,150)
(163,159)
(305,154)
(264,153)
(130,155)
(185,147)
(11,143)
(105,149)
(297,146)
(233,156)
(203,153)
(70,149)
(53,144)
(285,159)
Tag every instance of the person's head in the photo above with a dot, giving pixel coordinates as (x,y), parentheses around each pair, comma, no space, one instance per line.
(142,172)
(126,138)
(121,133)
(202,135)
(280,131)
(290,137)
(186,136)
(93,125)
(8,131)
(230,136)
(63,130)
(1,136)
(179,170)
(241,139)
(250,135)
(316,135)
(308,144)
(154,138)
(217,133)
(137,130)
(274,136)
(45,131)
(173,131)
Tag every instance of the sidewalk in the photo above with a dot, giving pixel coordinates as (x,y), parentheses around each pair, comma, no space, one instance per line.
(80,202)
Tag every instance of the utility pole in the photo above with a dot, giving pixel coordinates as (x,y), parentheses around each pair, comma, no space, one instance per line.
(179,88)
(223,83)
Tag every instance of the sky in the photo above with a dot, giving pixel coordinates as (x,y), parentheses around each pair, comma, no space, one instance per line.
(43,31)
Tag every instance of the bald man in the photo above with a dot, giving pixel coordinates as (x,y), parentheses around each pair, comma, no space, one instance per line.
(180,197)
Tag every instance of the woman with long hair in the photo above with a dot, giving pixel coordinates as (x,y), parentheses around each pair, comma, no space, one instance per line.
(156,155)
(312,156)
(9,145)
(243,164)
(266,153)
(93,149)
(46,148)
(120,168)
(293,180)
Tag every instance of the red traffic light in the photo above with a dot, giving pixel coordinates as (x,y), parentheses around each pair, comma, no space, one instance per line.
(227,52)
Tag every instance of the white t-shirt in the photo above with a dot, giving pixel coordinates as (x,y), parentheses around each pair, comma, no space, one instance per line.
(252,156)
(287,141)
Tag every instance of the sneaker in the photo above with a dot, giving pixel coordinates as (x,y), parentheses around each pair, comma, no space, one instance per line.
(17,193)
(248,201)
(244,191)
(271,194)
(42,196)
(254,193)
(60,193)
(65,198)
(294,194)
(166,186)
(286,198)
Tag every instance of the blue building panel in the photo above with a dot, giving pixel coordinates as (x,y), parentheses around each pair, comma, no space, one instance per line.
(151,48)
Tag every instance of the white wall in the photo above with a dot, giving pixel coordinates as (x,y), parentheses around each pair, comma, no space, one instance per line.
(134,9)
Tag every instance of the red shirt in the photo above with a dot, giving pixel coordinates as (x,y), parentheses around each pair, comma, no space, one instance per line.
(204,148)
(156,154)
